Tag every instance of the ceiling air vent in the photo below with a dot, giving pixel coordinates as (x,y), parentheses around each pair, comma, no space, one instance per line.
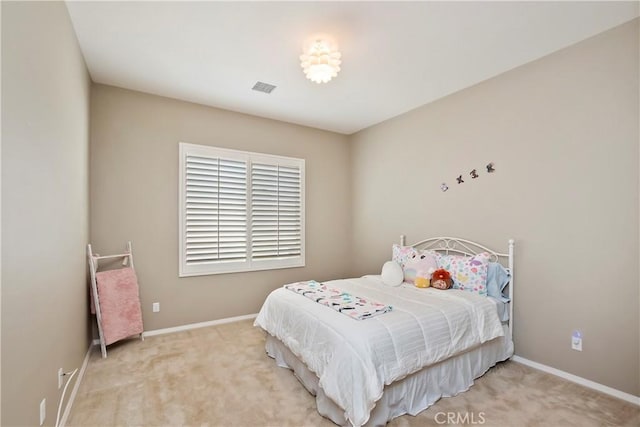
(263,87)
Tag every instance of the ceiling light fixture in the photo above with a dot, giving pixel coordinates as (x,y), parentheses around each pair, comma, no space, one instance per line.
(320,61)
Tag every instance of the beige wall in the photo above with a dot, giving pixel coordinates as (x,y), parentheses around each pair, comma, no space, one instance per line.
(134,196)
(563,134)
(553,128)
(45,207)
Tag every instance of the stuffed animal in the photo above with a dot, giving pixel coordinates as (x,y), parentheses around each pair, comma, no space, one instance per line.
(441,279)
(419,264)
(423,280)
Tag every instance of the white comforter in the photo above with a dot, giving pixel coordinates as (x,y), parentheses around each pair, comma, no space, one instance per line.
(354,359)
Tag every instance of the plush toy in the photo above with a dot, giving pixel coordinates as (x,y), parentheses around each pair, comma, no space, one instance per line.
(441,279)
(423,280)
(418,264)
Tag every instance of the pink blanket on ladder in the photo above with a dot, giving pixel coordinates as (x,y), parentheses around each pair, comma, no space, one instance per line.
(119,304)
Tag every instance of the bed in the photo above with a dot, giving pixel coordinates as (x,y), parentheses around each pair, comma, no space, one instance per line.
(432,344)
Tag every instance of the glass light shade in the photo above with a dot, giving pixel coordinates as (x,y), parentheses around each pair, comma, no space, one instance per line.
(320,62)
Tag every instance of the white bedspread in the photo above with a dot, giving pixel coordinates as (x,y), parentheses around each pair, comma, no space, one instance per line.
(354,359)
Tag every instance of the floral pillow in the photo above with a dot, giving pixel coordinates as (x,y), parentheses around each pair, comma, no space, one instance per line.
(401,254)
(468,273)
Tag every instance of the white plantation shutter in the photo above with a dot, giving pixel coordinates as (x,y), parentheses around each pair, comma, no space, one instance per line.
(216,214)
(239,211)
(276,204)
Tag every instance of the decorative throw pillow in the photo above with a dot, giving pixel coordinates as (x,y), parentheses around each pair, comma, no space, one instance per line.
(418,265)
(468,273)
(392,274)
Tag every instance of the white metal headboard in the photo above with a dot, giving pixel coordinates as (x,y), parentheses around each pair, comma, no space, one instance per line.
(456,246)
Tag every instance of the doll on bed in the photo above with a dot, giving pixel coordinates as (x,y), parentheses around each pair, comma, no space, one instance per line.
(441,279)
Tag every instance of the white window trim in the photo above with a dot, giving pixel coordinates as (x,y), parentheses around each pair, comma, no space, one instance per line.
(185,270)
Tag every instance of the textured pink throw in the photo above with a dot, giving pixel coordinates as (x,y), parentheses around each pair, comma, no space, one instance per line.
(119,304)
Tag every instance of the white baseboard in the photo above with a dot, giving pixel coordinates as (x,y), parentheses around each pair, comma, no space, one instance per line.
(76,386)
(191,326)
(197,325)
(579,380)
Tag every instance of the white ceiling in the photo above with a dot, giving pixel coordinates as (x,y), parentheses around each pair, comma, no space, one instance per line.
(396,55)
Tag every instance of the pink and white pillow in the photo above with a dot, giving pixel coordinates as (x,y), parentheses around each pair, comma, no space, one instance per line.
(468,273)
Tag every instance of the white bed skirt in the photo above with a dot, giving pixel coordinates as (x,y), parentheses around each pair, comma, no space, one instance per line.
(411,395)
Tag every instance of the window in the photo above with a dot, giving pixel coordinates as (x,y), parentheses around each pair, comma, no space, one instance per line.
(239,211)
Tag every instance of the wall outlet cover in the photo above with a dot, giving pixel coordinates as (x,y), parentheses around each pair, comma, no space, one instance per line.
(576,341)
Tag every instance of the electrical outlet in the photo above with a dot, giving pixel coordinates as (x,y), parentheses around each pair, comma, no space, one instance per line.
(576,341)
(60,378)
(43,410)
(156,307)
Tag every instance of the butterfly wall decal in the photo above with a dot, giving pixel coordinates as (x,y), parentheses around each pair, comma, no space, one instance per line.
(473,173)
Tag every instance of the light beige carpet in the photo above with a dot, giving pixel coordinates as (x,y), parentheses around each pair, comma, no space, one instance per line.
(221,376)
